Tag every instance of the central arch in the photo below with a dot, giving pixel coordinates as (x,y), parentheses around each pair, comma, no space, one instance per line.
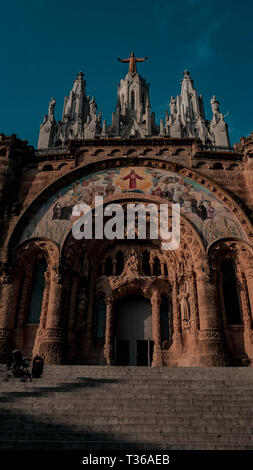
(133,331)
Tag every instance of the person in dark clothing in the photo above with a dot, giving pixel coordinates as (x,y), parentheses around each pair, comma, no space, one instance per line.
(66,212)
(194,205)
(201,211)
(17,366)
(57,210)
(37,367)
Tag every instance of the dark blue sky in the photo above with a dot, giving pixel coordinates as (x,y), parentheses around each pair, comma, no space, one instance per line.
(45,44)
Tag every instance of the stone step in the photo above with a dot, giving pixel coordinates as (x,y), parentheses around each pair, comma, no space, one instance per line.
(190,373)
(117,384)
(108,396)
(117,405)
(121,427)
(77,421)
(76,387)
(83,407)
(113,446)
(237,380)
(137,436)
(121,404)
(120,383)
(146,380)
(169,389)
(100,416)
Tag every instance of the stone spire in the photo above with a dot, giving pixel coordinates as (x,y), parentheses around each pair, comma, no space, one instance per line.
(187,117)
(48,128)
(133,111)
(133,117)
(79,118)
(190,107)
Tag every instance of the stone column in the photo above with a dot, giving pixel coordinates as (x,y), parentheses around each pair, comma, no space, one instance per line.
(53,336)
(247,282)
(162,269)
(246,297)
(156,327)
(45,299)
(177,333)
(43,314)
(6,308)
(193,302)
(151,269)
(108,330)
(211,345)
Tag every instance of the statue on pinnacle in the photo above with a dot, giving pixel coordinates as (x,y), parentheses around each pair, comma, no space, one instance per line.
(132,62)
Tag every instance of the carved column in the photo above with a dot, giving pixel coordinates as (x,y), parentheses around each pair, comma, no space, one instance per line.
(45,299)
(177,331)
(193,302)
(156,327)
(247,282)
(6,310)
(108,330)
(52,343)
(162,269)
(151,268)
(246,303)
(43,314)
(211,346)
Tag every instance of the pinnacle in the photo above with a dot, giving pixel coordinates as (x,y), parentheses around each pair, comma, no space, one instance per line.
(80,74)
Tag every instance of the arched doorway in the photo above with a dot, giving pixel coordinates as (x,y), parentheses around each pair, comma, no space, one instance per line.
(133,331)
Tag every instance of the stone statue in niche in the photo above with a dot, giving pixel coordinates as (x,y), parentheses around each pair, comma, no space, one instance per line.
(173,105)
(184,305)
(81,308)
(93,108)
(132,264)
(51,107)
(133,261)
(215,105)
(93,121)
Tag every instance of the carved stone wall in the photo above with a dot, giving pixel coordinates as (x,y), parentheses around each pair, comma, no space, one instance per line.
(76,271)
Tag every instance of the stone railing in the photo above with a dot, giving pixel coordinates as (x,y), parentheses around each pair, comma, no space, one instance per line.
(212,148)
(52,150)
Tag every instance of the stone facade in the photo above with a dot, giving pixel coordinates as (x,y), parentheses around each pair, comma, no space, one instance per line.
(185,160)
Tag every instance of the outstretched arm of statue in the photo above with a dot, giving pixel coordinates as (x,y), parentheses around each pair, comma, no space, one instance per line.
(126,177)
(123,60)
(141,59)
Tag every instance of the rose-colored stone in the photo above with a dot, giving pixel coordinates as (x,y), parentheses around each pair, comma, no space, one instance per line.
(199,334)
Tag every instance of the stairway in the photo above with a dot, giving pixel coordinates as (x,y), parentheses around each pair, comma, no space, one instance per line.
(128,408)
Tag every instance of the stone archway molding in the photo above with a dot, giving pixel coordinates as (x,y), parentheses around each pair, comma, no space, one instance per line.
(89,168)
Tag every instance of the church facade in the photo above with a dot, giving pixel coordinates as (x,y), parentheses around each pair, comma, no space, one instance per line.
(127,301)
